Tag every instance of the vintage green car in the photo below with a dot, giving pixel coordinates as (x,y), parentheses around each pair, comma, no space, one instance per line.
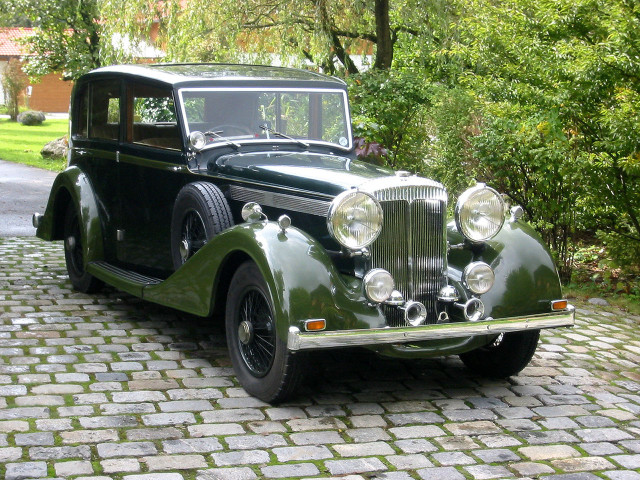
(234,191)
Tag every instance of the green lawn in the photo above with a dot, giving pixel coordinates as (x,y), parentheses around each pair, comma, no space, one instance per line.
(22,144)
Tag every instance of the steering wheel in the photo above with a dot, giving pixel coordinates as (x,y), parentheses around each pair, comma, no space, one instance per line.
(228,129)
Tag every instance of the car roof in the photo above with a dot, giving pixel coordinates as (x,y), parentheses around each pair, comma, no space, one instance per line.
(220,75)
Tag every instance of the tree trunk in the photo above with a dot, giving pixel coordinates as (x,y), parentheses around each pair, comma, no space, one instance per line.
(384,45)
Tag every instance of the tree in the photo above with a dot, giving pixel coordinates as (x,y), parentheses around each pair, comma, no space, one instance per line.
(13,81)
(329,34)
(68,36)
(557,83)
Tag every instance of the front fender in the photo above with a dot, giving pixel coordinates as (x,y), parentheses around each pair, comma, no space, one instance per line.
(73,187)
(526,278)
(301,278)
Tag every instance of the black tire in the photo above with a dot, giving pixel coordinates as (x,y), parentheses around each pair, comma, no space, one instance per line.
(262,363)
(507,355)
(74,254)
(199,214)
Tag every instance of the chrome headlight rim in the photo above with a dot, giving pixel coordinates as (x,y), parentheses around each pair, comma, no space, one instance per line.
(463,201)
(339,202)
(472,285)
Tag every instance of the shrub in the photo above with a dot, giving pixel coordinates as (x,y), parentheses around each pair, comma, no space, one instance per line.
(31,117)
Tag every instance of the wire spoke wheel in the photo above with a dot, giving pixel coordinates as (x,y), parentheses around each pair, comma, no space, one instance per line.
(74,254)
(73,245)
(194,235)
(263,365)
(256,333)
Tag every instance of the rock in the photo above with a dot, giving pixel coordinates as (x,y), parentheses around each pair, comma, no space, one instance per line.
(598,301)
(55,148)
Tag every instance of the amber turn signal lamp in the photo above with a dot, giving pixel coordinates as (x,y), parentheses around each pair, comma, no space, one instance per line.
(559,305)
(315,325)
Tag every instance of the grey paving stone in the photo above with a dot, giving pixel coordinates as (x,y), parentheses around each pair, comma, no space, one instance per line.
(452,458)
(25,470)
(290,471)
(193,445)
(126,449)
(497,455)
(73,468)
(351,466)
(440,473)
(409,462)
(175,462)
(154,476)
(482,472)
(60,453)
(603,434)
(33,439)
(249,442)
(240,473)
(309,452)
(240,457)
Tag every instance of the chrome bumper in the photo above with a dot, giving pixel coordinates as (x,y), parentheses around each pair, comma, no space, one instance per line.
(298,340)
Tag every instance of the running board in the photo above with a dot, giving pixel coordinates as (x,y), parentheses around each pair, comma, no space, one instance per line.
(125,280)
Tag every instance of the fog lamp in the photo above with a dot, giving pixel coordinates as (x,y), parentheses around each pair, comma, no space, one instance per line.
(478,277)
(378,285)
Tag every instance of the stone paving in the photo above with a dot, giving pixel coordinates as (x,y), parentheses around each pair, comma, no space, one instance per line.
(108,387)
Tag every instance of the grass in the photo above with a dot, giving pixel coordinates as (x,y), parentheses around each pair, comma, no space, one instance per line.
(22,144)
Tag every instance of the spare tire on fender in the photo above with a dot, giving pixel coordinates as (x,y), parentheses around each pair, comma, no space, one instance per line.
(200,212)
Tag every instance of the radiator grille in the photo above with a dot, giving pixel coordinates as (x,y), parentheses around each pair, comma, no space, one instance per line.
(412,245)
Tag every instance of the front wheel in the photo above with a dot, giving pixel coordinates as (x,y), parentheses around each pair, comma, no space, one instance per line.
(507,355)
(74,254)
(263,364)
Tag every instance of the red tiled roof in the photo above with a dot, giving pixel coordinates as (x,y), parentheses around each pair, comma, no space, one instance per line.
(9,45)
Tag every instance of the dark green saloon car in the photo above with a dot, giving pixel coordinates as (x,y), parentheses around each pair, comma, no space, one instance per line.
(234,191)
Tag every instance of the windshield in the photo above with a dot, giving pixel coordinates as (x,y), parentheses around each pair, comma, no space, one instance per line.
(278,115)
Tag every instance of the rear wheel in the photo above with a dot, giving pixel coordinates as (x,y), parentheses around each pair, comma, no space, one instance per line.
(263,364)
(74,254)
(507,355)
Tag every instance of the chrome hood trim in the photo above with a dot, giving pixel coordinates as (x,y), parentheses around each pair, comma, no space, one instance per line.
(298,340)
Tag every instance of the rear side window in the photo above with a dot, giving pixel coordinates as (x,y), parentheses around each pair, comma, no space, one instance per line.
(151,118)
(104,109)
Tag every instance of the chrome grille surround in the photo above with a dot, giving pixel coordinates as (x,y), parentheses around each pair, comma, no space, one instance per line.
(412,244)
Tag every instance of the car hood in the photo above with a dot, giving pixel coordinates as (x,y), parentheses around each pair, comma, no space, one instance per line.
(311,172)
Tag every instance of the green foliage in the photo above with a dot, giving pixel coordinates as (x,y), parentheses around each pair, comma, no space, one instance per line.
(67,39)
(539,98)
(390,108)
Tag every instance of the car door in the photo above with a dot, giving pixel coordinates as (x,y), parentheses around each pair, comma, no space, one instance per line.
(151,168)
(95,128)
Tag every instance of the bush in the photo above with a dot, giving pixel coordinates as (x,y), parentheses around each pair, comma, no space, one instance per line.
(31,117)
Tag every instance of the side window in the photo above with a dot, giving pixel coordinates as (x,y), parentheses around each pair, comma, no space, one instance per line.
(104,110)
(152,118)
(80,123)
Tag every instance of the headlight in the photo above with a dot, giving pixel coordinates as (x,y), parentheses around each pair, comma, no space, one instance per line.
(480,213)
(197,140)
(355,219)
(378,285)
(478,277)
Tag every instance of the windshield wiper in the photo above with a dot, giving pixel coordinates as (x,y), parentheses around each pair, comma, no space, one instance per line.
(217,135)
(270,130)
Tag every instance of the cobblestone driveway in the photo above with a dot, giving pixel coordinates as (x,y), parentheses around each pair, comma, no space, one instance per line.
(110,387)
